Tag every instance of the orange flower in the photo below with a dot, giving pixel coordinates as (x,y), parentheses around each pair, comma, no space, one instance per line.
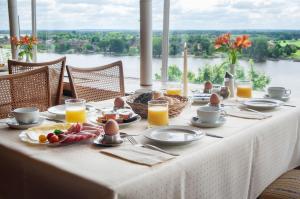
(242,42)
(222,40)
(34,40)
(25,40)
(14,40)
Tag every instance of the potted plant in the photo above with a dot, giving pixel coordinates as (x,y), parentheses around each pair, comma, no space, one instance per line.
(25,44)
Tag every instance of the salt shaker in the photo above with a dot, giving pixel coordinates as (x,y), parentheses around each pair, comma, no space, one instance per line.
(229,83)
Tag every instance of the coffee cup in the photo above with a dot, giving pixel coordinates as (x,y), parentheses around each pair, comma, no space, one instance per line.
(278,92)
(209,114)
(26,115)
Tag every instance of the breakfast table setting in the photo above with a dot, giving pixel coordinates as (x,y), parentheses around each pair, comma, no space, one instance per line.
(153,144)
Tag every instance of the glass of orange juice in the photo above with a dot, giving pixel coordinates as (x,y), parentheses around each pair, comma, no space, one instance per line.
(244,89)
(158,113)
(173,89)
(75,110)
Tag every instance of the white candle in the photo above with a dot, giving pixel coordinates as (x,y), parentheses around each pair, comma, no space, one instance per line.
(185,72)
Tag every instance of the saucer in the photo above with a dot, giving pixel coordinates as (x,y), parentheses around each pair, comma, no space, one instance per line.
(284,98)
(16,125)
(98,142)
(196,122)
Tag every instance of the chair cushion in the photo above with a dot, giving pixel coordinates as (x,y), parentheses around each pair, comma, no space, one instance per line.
(286,186)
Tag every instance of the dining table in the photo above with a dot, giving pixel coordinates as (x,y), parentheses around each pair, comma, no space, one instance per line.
(237,160)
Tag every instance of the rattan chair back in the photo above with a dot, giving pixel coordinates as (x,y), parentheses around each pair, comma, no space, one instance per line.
(28,89)
(97,83)
(56,74)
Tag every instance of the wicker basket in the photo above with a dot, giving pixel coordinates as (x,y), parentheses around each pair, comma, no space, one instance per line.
(142,109)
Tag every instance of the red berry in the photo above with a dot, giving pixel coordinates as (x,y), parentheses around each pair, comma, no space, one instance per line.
(54,138)
(49,136)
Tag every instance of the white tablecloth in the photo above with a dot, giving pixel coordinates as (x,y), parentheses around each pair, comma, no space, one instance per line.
(252,155)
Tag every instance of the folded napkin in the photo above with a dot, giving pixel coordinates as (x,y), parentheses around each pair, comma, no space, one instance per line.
(247,114)
(138,155)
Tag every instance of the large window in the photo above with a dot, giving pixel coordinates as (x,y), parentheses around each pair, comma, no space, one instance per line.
(90,33)
(273,28)
(4,33)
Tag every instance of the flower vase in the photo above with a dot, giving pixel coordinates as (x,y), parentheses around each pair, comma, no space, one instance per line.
(232,69)
(232,83)
(28,58)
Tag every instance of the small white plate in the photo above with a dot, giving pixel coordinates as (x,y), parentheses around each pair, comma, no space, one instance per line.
(284,98)
(262,104)
(201,98)
(60,110)
(173,135)
(16,125)
(198,123)
(27,138)
(93,119)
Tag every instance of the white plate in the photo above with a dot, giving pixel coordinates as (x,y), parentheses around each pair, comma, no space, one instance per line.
(173,135)
(196,122)
(60,110)
(201,98)
(26,138)
(16,125)
(262,104)
(93,119)
(284,98)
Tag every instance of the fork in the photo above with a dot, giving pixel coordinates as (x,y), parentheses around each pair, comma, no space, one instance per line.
(149,146)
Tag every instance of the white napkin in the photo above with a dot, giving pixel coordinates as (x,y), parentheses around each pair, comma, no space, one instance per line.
(138,155)
(247,114)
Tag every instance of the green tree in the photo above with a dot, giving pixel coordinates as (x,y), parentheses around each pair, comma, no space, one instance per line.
(175,46)
(116,45)
(259,49)
(157,46)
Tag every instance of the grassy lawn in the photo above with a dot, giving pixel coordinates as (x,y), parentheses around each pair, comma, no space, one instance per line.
(294,42)
(296,55)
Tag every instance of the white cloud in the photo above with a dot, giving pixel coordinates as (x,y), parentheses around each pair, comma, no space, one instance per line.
(185,14)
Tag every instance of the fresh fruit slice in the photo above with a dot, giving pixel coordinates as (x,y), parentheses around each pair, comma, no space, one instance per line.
(42,138)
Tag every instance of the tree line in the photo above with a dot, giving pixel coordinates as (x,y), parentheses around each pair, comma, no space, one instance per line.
(266,44)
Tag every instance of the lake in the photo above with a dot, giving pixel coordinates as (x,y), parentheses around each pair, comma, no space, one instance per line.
(284,72)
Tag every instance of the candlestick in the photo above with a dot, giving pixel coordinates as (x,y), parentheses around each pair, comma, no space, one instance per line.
(185,72)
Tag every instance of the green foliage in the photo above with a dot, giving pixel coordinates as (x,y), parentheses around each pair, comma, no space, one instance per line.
(157,46)
(259,80)
(270,44)
(259,49)
(174,73)
(215,74)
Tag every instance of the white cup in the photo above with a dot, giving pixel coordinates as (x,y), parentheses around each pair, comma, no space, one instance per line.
(278,92)
(26,115)
(209,114)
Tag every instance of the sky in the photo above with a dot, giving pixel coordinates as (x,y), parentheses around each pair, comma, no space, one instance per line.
(184,14)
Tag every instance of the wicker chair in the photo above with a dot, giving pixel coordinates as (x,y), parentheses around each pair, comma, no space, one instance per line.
(287,186)
(98,83)
(56,74)
(28,89)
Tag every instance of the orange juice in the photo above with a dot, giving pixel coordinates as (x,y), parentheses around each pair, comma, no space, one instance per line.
(76,115)
(244,91)
(174,91)
(158,116)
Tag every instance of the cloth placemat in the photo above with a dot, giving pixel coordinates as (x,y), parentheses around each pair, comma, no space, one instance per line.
(138,155)
(247,114)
